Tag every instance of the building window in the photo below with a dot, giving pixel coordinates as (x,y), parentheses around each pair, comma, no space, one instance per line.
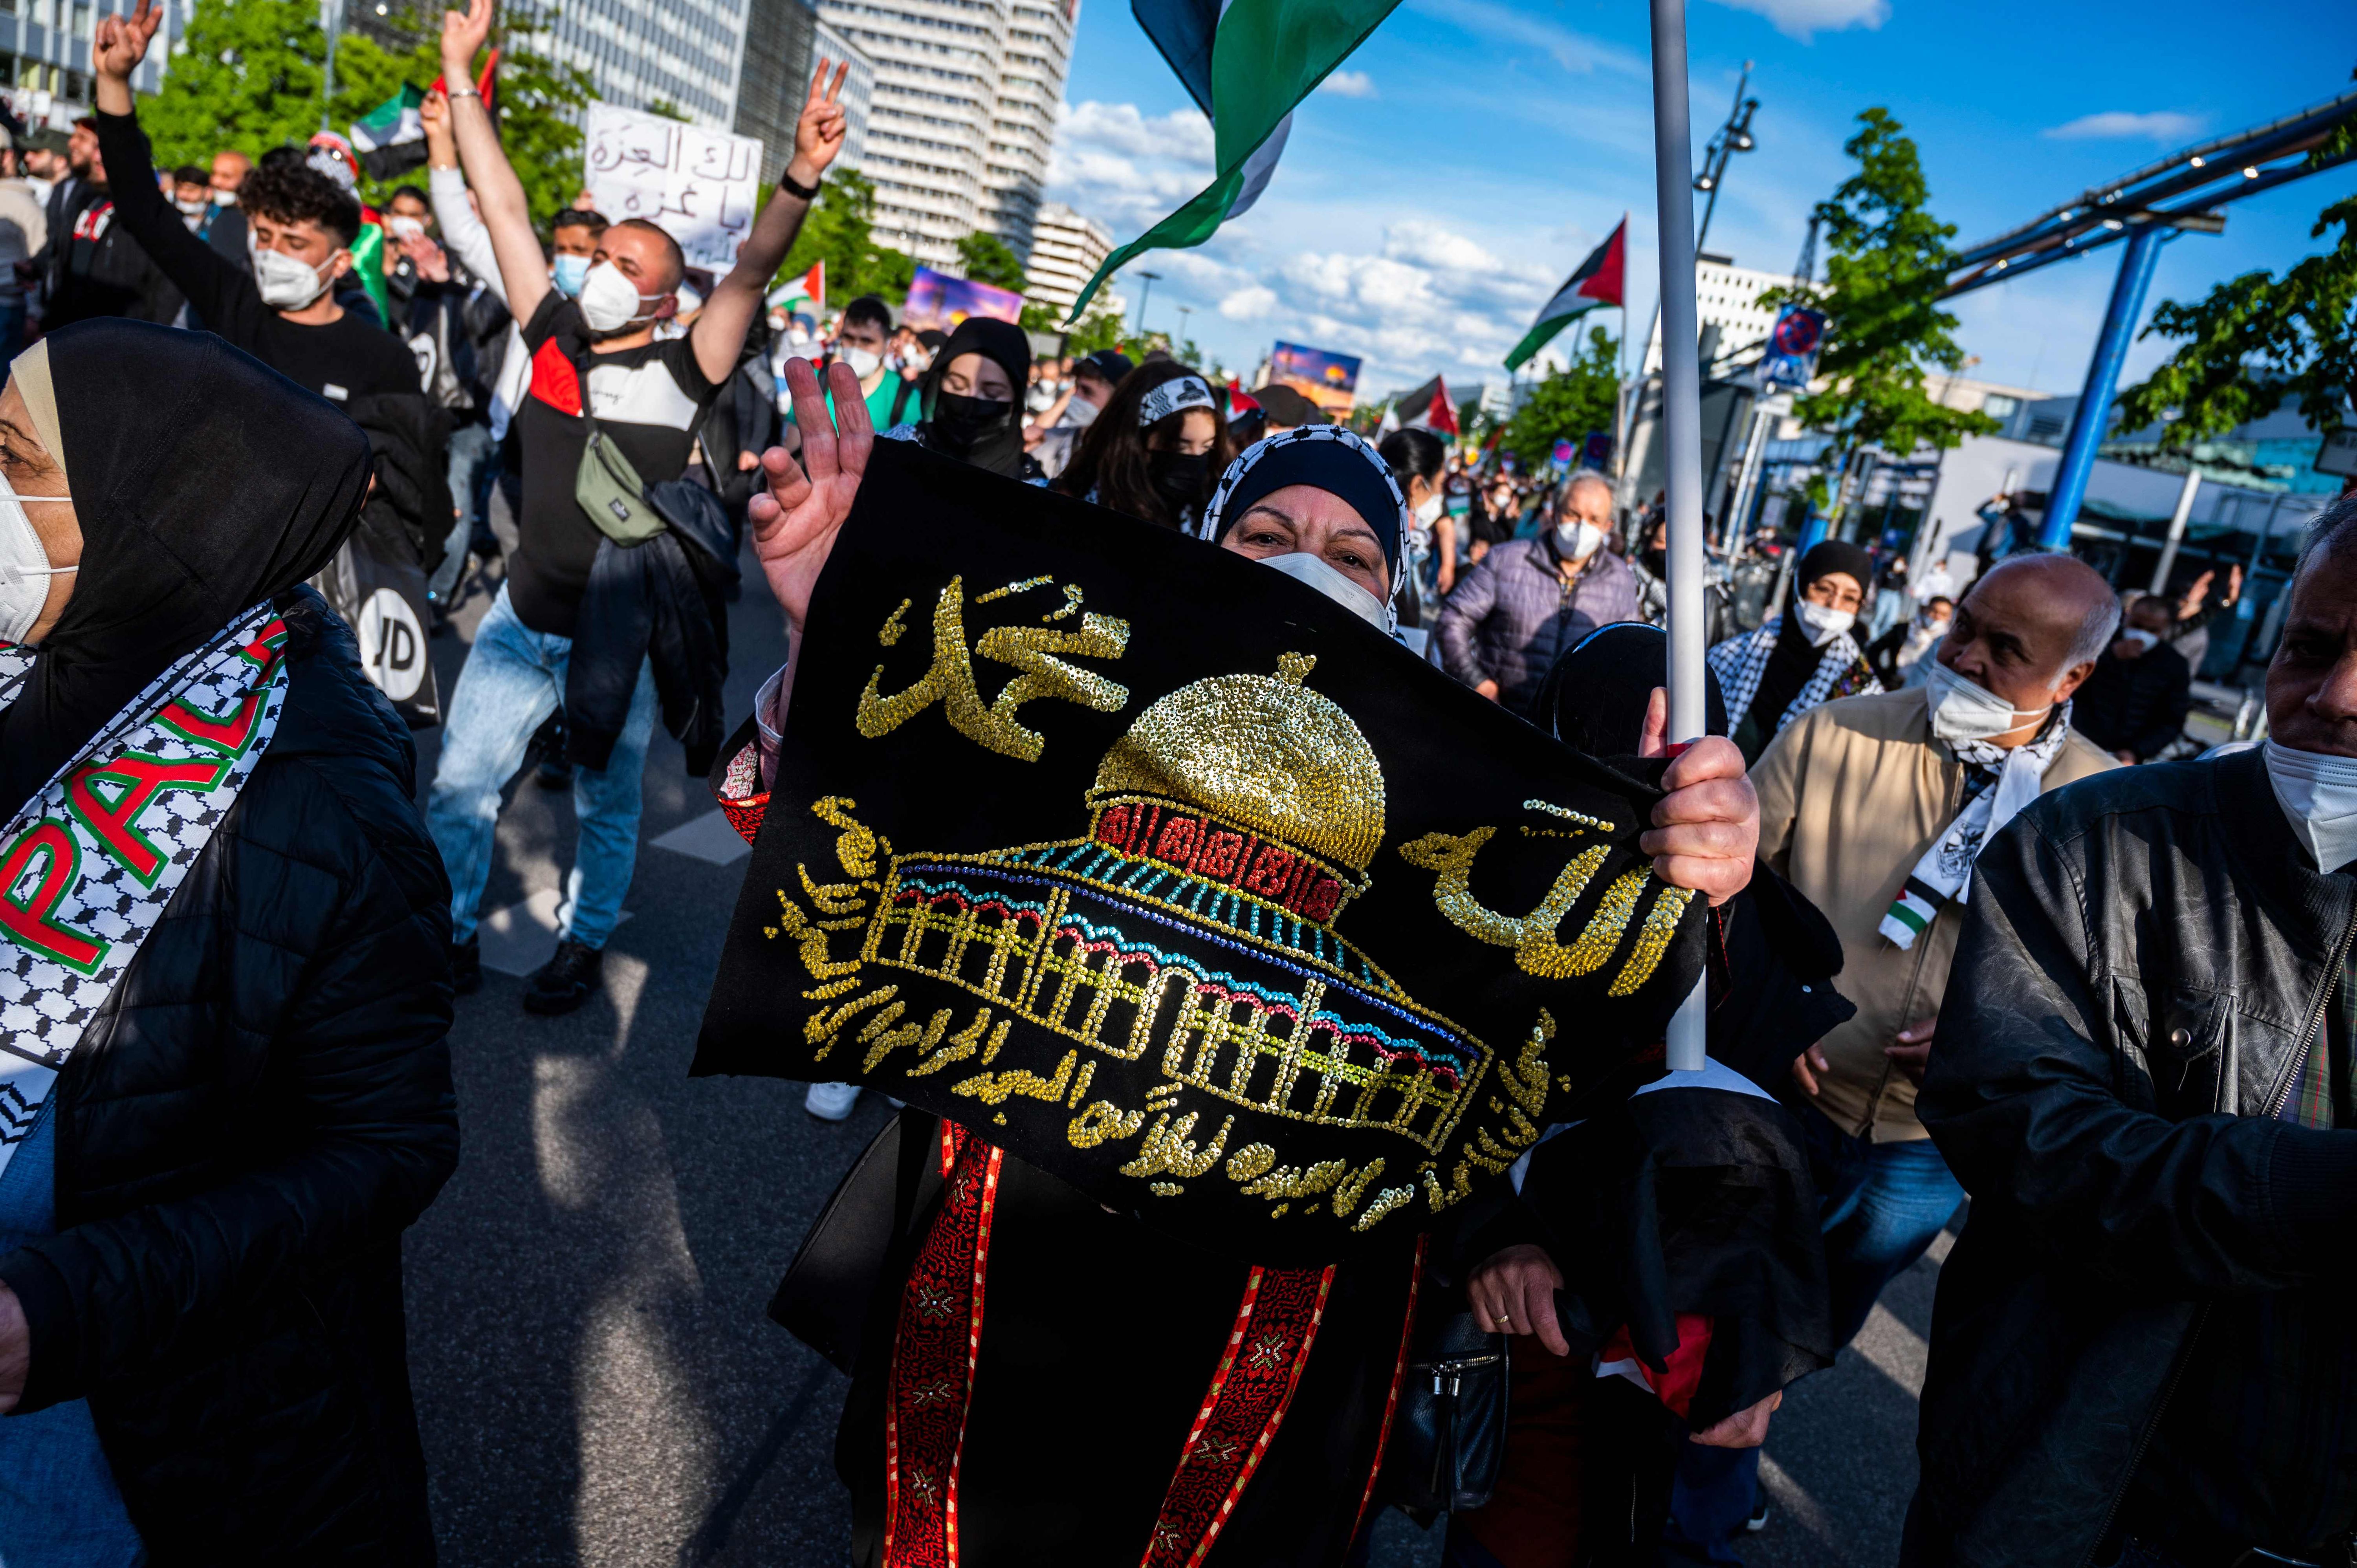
(81,18)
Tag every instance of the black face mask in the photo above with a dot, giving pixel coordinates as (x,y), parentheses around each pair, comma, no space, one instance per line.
(1179,476)
(959,422)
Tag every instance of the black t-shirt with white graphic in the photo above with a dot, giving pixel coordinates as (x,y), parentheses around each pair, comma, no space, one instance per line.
(649,402)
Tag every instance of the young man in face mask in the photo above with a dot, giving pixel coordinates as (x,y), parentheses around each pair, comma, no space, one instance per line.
(1527,600)
(300,226)
(860,340)
(2135,703)
(2145,1078)
(1874,807)
(648,397)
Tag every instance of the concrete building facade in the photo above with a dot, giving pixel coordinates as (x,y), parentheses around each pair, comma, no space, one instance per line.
(1727,296)
(1066,251)
(683,54)
(784,41)
(45,55)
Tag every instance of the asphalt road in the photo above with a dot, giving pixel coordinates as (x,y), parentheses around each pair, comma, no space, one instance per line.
(597,1382)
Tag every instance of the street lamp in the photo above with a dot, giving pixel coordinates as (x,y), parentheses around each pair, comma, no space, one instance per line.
(1143,296)
(1733,138)
(1184,311)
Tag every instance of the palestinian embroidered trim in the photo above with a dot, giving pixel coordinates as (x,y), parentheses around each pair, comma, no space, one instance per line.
(1276,1324)
(88,865)
(1399,1379)
(742,799)
(933,1352)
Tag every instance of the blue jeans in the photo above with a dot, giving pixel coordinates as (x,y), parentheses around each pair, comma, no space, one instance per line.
(512,680)
(1711,1499)
(1883,1205)
(474,459)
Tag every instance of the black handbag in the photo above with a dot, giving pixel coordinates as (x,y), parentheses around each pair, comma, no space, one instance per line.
(1450,1434)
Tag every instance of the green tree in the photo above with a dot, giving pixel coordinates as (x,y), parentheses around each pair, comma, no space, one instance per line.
(1582,396)
(2258,340)
(1099,329)
(1884,327)
(839,231)
(667,108)
(989,258)
(248,74)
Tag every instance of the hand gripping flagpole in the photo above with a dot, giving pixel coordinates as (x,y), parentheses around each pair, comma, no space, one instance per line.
(1682,430)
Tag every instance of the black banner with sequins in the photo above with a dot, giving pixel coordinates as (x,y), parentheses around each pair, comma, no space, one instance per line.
(1161,871)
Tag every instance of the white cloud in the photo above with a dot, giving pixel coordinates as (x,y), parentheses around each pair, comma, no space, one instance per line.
(1348,85)
(1126,169)
(1804,19)
(1575,52)
(2119,124)
(1249,303)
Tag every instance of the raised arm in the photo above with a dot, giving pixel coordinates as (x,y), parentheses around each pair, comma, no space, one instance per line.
(462,232)
(719,333)
(522,271)
(194,267)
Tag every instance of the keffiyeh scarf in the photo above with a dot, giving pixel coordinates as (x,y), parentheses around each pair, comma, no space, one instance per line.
(1741,662)
(1944,874)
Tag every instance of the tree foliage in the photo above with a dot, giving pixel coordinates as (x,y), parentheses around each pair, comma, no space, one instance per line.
(1582,396)
(1884,327)
(839,231)
(248,74)
(2258,340)
(989,258)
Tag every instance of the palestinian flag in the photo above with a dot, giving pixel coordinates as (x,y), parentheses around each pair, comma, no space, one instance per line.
(808,289)
(1597,281)
(1247,64)
(390,138)
(1912,912)
(1426,408)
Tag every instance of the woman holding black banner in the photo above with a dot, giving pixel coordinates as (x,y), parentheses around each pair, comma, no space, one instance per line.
(1129,1395)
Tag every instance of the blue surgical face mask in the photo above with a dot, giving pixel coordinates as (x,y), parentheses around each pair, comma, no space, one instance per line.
(567,274)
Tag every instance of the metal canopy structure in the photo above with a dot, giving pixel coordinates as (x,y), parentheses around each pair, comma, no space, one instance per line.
(2178,194)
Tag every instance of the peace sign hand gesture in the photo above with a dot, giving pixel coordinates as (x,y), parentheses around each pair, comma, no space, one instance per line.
(818,135)
(121,42)
(796,519)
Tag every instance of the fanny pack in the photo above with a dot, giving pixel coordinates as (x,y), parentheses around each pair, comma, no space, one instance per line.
(608,488)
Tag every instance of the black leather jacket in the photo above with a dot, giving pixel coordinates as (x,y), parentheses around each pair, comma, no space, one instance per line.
(2145,964)
(260,1107)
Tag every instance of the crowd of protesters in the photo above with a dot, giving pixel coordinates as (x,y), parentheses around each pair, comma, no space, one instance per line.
(1975,941)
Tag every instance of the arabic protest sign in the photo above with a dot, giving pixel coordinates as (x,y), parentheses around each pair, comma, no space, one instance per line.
(1167,874)
(1329,380)
(938,300)
(703,187)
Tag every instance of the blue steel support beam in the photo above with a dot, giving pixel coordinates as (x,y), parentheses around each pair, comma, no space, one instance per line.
(1813,533)
(2090,423)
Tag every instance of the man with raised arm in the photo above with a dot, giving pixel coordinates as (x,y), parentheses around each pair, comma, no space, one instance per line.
(647,398)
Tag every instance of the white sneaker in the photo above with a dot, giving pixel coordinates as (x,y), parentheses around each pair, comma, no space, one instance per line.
(831,1101)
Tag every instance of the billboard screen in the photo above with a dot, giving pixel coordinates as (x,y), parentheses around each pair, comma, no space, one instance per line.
(938,300)
(1329,380)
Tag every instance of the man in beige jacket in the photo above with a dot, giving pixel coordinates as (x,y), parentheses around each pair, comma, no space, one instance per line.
(1874,807)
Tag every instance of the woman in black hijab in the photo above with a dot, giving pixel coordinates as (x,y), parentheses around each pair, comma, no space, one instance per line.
(1802,658)
(214,1126)
(969,396)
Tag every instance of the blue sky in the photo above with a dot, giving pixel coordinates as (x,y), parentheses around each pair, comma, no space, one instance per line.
(1473,150)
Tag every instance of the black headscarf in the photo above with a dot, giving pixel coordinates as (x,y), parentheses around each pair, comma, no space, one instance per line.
(1327,457)
(1594,696)
(204,482)
(1833,555)
(998,447)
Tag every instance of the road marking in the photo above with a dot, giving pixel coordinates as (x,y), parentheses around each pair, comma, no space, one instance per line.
(708,837)
(1895,1350)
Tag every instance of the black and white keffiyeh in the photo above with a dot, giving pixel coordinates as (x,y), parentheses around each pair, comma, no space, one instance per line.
(1741,662)
(1333,459)
(2009,781)
(1174,396)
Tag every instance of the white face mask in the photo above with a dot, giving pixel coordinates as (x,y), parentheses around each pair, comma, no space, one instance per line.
(864,363)
(1966,711)
(192,209)
(2143,640)
(1315,571)
(284,283)
(2319,794)
(1578,540)
(404,227)
(25,569)
(610,302)
(1428,513)
(224,199)
(1824,625)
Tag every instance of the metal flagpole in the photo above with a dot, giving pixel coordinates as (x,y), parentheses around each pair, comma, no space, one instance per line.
(1681,428)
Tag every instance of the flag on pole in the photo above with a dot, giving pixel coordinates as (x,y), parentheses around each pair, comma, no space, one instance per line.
(1426,408)
(1597,281)
(808,289)
(390,138)
(1248,64)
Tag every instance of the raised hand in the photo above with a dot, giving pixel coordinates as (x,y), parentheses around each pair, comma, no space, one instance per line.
(818,135)
(121,42)
(795,520)
(463,34)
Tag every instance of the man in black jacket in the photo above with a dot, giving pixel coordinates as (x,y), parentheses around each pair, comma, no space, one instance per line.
(2134,702)
(2141,1351)
(94,263)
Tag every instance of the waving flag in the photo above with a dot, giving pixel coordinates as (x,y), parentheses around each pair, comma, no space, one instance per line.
(1426,408)
(1598,281)
(390,138)
(1248,63)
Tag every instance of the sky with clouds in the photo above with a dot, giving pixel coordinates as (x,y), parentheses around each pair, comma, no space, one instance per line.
(1438,189)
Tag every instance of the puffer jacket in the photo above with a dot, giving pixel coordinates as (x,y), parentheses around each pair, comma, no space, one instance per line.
(260,1109)
(2144,965)
(1510,618)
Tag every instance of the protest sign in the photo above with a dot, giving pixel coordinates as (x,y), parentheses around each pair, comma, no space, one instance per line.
(1329,380)
(702,187)
(939,300)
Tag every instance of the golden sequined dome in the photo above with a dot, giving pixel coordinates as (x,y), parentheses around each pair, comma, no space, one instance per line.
(1264,752)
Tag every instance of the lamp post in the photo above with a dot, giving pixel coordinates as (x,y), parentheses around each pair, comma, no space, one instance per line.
(1184,311)
(1733,138)
(1144,294)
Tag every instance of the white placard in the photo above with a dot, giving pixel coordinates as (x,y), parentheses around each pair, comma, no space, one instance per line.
(703,186)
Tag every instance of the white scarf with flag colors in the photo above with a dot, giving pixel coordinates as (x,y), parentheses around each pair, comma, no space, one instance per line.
(1944,874)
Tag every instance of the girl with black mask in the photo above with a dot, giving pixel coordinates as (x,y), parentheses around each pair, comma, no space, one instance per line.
(1155,449)
(968,397)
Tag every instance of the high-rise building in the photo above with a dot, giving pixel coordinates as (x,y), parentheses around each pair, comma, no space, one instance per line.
(1066,251)
(784,41)
(962,117)
(679,55)
(1727,296)
(45,57)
